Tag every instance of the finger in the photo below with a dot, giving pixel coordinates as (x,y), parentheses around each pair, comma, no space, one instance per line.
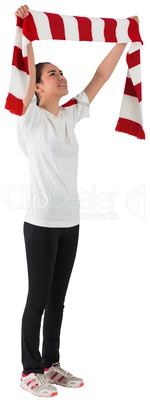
(23,11)
(19,13)
(26,8)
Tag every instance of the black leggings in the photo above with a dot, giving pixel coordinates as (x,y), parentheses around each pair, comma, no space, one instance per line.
(50,257)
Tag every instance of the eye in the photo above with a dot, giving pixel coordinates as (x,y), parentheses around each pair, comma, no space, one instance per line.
(61,73)
(52,73)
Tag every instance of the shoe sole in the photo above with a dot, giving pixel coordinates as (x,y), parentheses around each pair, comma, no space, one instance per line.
(23,386)
(67,386)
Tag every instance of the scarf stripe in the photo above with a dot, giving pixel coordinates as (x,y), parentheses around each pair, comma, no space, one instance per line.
(130,109)
(29,29)
(110,30)
(73,33)
(84,28)
(56,26)
(133,59)
(132,90)
(122,31)
(42,25)
(20,62)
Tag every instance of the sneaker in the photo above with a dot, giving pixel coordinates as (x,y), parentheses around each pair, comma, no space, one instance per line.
(57,375)
(37,384)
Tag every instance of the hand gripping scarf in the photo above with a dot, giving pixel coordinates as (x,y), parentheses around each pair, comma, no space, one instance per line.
(42,25)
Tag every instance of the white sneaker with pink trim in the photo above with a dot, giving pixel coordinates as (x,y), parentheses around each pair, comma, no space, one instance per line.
(57,375)
(38,385)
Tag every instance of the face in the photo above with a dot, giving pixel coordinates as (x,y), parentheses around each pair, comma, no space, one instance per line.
(53,83)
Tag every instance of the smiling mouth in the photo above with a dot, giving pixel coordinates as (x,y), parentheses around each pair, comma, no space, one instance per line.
(62,85)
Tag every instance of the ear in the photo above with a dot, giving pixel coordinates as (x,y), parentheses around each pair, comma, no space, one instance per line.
(39,88)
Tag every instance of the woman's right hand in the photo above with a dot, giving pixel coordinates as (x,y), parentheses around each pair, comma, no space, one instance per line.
(22,11)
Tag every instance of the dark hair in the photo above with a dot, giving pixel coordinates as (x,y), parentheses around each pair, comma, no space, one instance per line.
(39,69)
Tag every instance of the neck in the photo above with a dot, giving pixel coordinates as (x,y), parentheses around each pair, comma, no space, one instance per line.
(52,106)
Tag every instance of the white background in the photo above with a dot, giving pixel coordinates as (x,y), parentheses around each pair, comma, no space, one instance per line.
(106,328)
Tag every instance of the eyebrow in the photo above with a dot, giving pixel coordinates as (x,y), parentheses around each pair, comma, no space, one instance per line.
(53,71)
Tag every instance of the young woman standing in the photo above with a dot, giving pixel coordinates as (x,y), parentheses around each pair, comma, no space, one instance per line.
(51,225)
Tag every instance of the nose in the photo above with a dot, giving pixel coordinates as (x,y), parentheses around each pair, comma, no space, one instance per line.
(60,77)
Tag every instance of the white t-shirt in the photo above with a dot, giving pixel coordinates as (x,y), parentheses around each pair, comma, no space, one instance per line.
(52,150)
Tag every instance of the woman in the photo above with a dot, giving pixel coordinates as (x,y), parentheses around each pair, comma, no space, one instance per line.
(51,226)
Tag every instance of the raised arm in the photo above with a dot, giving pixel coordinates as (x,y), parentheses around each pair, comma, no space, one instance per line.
(22,12)
(105,69)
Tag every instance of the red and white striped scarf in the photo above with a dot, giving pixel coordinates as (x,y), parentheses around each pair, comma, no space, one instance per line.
(42,25)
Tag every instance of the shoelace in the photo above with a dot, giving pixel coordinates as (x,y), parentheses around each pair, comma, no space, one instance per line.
(42,380)
(62,371)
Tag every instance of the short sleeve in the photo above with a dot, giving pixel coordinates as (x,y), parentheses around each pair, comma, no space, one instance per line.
(26,122)
(30,118)
(77,108)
